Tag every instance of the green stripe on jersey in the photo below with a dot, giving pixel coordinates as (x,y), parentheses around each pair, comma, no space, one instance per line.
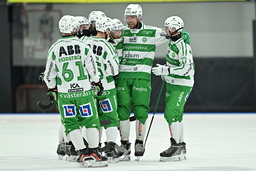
(86,50)
(178,76)
(143,33)
(174,48)
(105,55)
(139,47)
(142,75)
(132,62)
(172,61)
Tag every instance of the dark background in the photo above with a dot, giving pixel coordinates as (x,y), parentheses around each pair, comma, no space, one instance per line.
(222,84)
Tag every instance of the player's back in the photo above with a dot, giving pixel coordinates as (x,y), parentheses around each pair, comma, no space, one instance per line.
(70,56)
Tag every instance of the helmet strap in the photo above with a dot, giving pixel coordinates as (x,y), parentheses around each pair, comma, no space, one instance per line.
(138,26)
(177,37)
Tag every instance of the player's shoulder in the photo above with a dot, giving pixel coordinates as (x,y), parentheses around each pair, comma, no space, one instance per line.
(54,45)
(151,27)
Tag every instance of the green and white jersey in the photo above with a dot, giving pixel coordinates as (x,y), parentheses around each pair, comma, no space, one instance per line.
(107,60)
(180,60)
(118,45)
(139,46)
(70,64)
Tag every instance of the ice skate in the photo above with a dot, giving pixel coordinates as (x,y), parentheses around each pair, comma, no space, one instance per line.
(61,150)
(92,158)
(127,146)
(112,153)
(183,150)
(84,158)
(139,149)
(173,153)
(71,152)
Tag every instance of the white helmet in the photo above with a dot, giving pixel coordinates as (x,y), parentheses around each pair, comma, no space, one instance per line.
(133,9)
(102,24)
(116,24)
(174,21)
(82,20)
(67,24)
(95,15)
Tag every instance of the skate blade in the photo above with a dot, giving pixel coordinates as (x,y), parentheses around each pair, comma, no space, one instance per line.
(183,157)
(72,158)
(113,160)
(61,157)
(125,158)
(137,158)
(91,162)
(170,159)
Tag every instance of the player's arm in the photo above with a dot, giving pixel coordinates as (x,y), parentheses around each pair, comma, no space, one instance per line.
(185,64)
(91,65)
(185,36)
(50,70)
(160,37)
(112,62)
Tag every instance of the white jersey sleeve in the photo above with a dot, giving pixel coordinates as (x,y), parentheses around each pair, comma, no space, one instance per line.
(50,70)
(185,61)
(112,62)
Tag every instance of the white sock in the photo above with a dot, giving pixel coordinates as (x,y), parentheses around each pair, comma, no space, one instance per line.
(66,137)
(175,131)
(111,133)
(140,130)
(125,130)
(83,130)
(181,132)
(92,135)
(100,133)
(61,133)
(77,139)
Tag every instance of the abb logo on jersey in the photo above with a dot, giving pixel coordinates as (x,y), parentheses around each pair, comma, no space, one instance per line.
(69,50)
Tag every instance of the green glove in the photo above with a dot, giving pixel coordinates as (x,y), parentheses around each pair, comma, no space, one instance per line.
(186,37)
(52,94)
(98,87)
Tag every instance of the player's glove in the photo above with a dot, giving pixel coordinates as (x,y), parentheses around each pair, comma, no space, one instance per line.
(186,37)
(52,94)
(98,87)
(41,77)
(160,70)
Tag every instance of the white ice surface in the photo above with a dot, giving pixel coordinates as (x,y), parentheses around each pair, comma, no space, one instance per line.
(215,142)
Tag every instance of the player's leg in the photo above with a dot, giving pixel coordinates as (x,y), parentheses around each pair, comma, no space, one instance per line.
(72,125)
(108,111)
(90,157)
(175,102)
(140,99)
(124,111)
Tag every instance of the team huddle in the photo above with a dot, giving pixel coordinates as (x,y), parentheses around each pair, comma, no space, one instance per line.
(99,72)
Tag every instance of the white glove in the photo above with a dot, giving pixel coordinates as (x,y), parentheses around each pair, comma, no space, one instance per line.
(160,70)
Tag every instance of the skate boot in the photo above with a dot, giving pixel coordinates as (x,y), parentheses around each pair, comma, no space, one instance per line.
(61,150)
(112,153)
(91,157)
(139,149)
(71,152)
(99,160)
(82,154)
(127,146)
(173,153)
(183,150)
